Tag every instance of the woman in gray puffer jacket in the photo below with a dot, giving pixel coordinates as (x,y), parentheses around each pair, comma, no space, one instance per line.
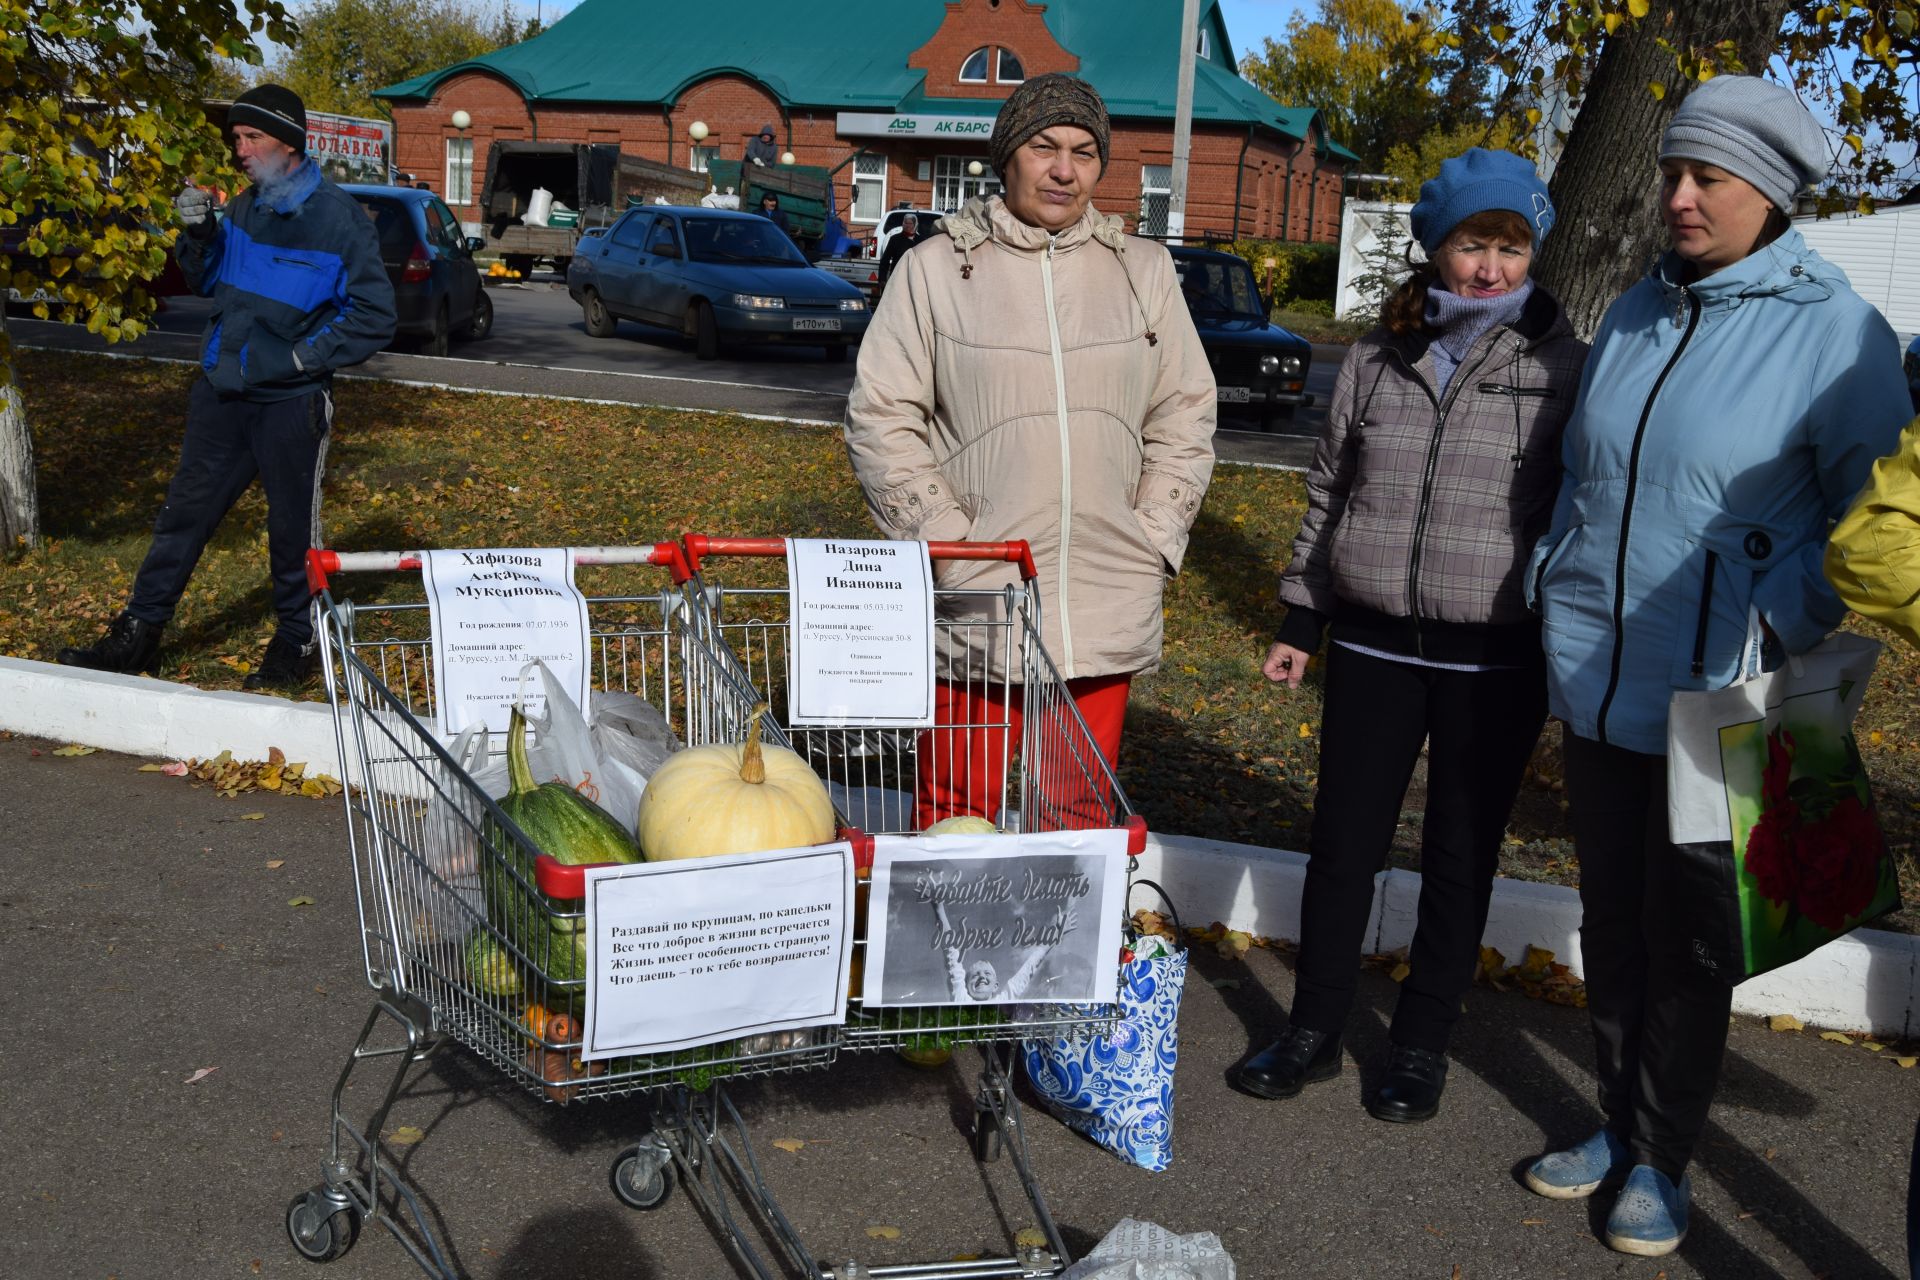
(1435,474)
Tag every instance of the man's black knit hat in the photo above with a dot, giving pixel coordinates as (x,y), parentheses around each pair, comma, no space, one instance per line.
(274,111)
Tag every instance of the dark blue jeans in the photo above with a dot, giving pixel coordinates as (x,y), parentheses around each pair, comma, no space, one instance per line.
(228,443)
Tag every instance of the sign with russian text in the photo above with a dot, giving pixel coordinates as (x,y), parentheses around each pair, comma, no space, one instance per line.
(493,612)
(1032,918)
(349,149)
(703,950)
(860,649)
(869,124)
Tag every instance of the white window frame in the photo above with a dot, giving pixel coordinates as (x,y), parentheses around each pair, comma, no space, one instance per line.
(459,171)
(1001,55)
(952,181)
(868,179)
(699,157)
(1204,48)
(985,54)
(1150,188)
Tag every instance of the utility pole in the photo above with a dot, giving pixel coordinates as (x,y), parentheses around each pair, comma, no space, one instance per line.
(1183,118)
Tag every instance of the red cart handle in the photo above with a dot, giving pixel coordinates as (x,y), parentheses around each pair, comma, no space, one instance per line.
(321,562)
(700,545)
(569,880)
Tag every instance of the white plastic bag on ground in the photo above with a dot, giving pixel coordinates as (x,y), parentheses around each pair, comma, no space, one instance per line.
(608,761)
(1136,1250)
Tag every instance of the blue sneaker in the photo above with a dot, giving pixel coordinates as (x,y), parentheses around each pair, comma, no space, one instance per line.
(1650,1217)
(1580,1171)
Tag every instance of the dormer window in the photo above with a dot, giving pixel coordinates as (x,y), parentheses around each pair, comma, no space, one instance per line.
(974,69)
(1011,72)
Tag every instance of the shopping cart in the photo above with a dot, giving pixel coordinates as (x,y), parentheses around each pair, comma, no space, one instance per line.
(460,944)
(1021,750)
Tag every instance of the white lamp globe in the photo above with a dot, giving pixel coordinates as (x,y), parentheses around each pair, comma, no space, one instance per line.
(461,120)
(975,168)
(786,157)
(697,131)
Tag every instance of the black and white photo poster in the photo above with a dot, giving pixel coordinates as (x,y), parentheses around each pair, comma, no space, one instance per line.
(996,919)
(860,648)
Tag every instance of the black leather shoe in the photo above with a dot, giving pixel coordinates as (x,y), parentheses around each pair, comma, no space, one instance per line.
(130,647)
(286,665)
(1297,1059)
(1411,1091)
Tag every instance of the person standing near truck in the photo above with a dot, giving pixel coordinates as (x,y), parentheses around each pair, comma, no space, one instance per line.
(299,291)
(903,240)
(763,150)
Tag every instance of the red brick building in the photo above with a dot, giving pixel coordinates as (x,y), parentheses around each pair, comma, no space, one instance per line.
(897,99)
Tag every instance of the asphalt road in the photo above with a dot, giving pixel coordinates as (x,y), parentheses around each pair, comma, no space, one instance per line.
(151,932)
(539,345)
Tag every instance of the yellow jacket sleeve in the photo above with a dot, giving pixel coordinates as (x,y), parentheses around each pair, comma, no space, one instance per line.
(1873,559)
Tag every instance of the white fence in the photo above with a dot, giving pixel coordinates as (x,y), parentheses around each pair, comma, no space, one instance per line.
(1367,229)
(1880,253)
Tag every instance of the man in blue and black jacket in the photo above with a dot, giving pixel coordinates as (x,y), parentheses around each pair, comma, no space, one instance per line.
(295,273)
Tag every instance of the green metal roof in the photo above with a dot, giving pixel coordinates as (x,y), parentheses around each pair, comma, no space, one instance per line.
(617,51)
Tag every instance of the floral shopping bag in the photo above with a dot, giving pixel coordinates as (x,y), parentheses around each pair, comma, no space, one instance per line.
(1769,808)
(1117,1089)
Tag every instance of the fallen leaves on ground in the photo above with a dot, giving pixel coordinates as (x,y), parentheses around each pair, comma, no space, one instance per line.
(231,777)
(406,1135)
(199,1075)
(788,1144)
(1030,1238)
(74,749)
(1538,975)
(883,1233)
(301,901)
(1785,1022)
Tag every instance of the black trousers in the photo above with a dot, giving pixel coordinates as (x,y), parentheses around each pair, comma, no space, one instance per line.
(227,444)
(1480,728)
(1659,1018)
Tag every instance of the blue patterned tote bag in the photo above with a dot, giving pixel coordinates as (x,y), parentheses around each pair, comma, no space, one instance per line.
(1117,1089)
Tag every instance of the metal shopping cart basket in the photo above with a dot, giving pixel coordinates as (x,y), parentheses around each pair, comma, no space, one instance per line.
(460,945)
(1007,733)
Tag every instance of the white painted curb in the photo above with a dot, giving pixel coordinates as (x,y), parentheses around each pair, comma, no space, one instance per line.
(1867,981)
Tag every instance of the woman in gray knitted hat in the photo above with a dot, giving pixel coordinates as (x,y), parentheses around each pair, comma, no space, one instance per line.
(1733,404)
(1032,372)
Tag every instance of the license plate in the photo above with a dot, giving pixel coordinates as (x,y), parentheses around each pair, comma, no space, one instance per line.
(831,326)
(1235,395)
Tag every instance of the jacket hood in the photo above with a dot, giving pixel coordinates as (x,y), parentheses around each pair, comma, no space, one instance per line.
(1785,267)
(985,218)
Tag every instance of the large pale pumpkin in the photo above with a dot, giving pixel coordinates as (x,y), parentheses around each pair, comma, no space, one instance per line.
(732,797)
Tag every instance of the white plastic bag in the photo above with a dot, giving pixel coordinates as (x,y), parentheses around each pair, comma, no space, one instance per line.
(608,761)
(1136,1250)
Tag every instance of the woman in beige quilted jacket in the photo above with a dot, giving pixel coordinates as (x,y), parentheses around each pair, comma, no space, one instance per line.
(1033,373)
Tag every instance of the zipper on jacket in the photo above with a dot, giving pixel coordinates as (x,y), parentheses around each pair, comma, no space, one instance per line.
(1706,611)
(1066,457)
(1626,513)
(1442,408)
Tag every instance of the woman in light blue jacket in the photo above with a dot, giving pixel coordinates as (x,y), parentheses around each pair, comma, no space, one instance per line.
(1733,404)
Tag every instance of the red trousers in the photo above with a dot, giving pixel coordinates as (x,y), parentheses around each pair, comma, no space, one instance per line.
(963,761)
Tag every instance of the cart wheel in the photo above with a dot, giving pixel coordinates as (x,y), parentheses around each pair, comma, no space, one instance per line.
(317,1235)
(987,1140)
(648,1194)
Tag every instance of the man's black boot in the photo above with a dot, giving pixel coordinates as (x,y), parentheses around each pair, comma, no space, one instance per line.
(1411,1091)
(286,665)
(130,647)
(1298,1058)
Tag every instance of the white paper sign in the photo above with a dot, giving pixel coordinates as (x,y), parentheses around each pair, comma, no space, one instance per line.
(996,919)
(493,612)
(699,950)
(861,648)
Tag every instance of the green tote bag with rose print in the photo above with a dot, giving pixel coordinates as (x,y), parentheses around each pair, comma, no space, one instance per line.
(1769,809)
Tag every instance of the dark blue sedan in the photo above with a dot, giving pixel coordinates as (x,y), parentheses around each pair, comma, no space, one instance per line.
(716,275)
(436,288)
(1259,368)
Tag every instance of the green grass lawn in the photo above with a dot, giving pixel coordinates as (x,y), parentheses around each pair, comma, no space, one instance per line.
(1211,749)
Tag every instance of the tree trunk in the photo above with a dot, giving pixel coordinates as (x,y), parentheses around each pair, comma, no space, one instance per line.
(19,498)
(1605,187)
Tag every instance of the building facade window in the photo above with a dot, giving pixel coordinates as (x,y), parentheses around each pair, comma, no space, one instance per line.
(1011,72)
(974,69)
(953,186)
(1156,198)
(459,184)
(869,187)
(701,157)
(1202,48)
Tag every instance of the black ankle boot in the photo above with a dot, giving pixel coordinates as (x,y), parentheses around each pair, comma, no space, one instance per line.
(130,647)
(1298,1058)
(1411,1091)
(286,665)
